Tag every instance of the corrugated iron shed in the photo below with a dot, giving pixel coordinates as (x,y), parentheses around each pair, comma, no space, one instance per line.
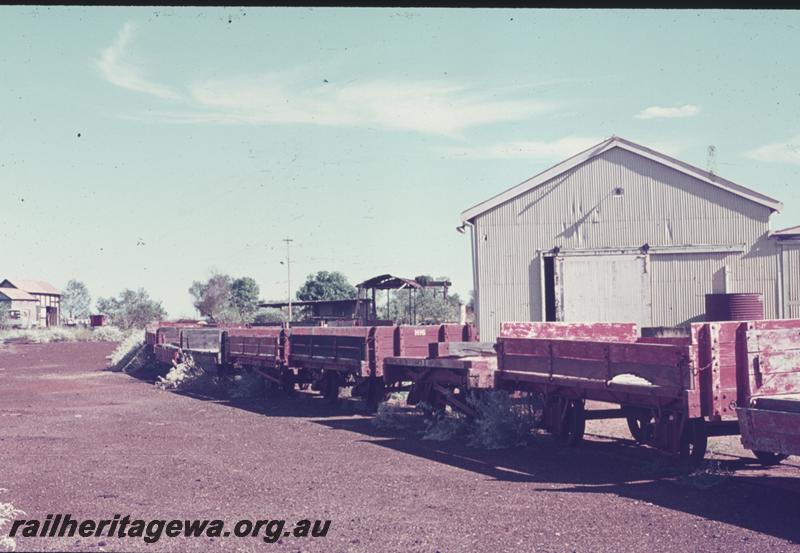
(620,232)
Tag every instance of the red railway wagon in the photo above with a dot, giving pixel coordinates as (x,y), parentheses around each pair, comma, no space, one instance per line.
(674,393)
(770,420)
(331,357)
(261,349)
(446,375)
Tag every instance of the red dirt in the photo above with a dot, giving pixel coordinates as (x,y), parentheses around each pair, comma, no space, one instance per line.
(77,439)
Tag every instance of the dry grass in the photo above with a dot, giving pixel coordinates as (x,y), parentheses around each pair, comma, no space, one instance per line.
(63,334)
(185,376)
(129,355)
(499,421)
(7,514)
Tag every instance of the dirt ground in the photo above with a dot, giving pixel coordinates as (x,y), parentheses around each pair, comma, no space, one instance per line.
(75,438)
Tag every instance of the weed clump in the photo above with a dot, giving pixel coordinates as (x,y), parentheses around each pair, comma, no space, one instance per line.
(445,427)
(62,334)
(7,514)
(393,415)
(129,355)
(186,376)
(499,421)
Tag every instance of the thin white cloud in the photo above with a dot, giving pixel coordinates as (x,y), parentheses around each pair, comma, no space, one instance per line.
(778,152)
(424,106)
(658,112)
(544,150)
(122,73)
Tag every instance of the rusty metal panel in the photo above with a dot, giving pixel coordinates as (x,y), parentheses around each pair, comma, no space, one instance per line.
(599,332)
(660,207)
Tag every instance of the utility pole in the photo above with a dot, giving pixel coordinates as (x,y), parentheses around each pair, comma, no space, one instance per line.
(289,276)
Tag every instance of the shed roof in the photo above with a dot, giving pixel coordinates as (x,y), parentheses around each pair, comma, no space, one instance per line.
(30,286)
(16,294)
(389,282)
(787,232)
(608,144)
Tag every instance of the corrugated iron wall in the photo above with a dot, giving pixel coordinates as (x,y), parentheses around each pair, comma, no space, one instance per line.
(659,206)
(791,279)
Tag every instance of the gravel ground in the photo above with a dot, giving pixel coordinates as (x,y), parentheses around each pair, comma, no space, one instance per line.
(75,438)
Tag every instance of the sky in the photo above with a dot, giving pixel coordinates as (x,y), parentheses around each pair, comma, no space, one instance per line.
(150,147)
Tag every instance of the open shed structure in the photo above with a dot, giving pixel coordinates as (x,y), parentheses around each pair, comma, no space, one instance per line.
(369,288)
(621,232)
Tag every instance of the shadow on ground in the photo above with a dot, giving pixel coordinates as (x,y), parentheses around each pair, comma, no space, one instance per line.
(725,491)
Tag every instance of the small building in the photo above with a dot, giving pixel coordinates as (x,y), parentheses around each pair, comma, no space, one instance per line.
(621,232)
(47,296)
(23,308)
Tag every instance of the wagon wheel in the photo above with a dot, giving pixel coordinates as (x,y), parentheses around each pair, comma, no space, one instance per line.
(641,428)
(287,382)
(694,441)
(270,388)
(330,388)
(433,404)
(573,423)
(376,393)
(768,458)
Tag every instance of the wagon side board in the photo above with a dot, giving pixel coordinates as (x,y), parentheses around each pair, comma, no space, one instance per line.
(646,374)
(770,430)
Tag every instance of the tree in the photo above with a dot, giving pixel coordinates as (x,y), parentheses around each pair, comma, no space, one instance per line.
(326,285)
(213,298)
(244,297)
(269,315)
(131,309)
(422,305)
(4,312)
(76,301)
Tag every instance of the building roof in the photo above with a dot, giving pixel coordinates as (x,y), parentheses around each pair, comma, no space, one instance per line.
(608,144)
(787,232)
(16,294)
(389,282)
(31,286)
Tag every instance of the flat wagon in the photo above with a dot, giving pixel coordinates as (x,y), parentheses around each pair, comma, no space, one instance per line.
(674,393)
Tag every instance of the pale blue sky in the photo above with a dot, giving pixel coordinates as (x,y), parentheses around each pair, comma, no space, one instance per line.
(208,135)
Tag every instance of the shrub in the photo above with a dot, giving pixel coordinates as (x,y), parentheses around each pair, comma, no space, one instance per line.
(393,415)
(7,514)
(107,334)
(445,428)
(187,376)
(63,334)
(499,422)
(129,355)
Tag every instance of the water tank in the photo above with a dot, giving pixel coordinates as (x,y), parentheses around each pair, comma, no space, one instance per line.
(734,307)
